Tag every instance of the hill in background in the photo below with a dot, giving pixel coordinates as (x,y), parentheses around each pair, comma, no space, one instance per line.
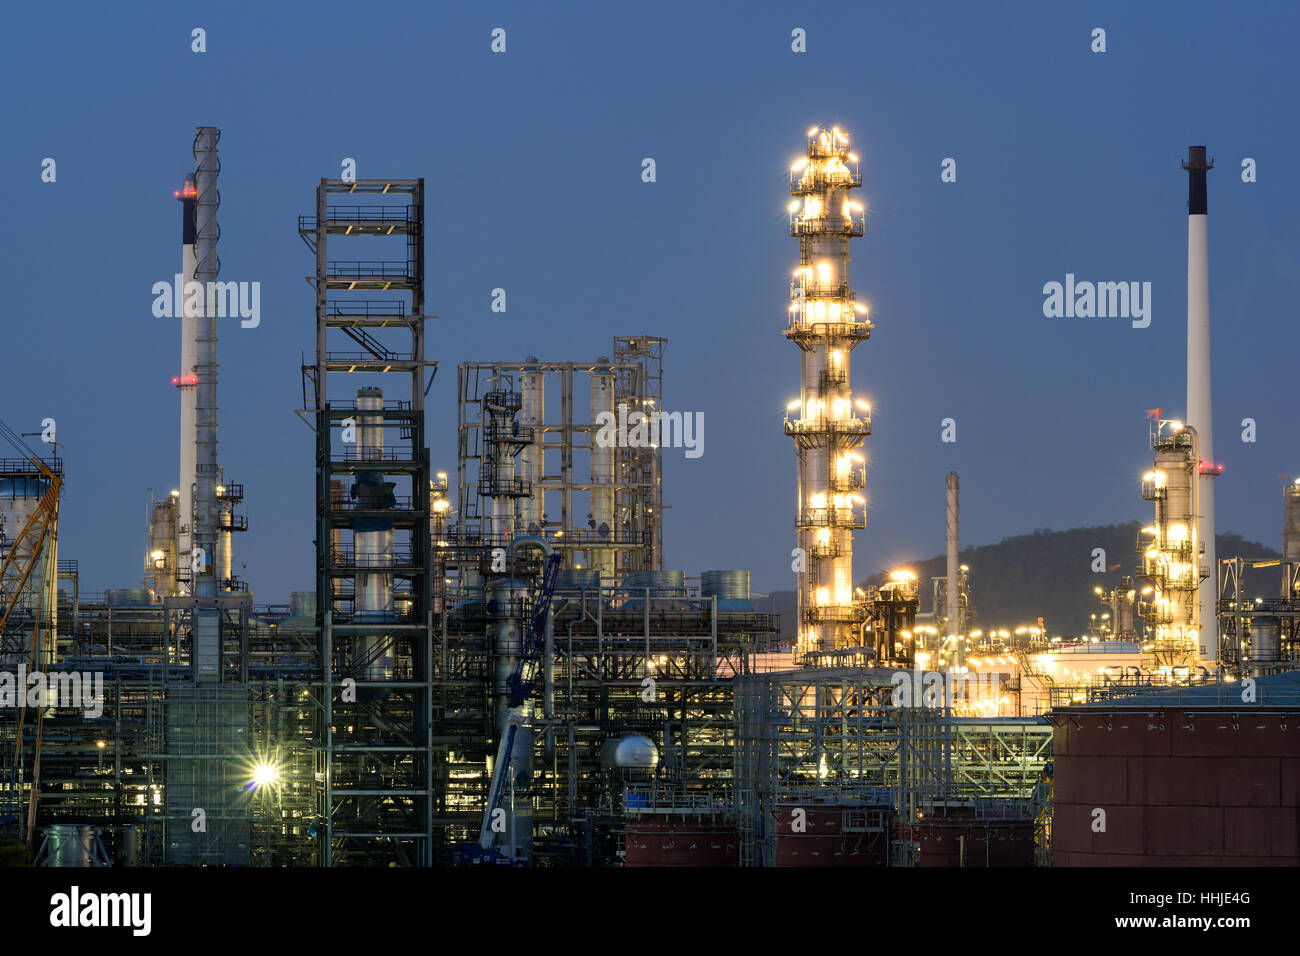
(1045,574)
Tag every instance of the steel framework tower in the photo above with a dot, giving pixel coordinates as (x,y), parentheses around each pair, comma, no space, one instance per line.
(373,557)
(827,324)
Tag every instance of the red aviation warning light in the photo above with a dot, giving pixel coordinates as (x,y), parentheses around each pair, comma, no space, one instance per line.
(181,381)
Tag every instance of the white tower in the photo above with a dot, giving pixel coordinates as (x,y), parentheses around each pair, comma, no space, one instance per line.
(1199,405)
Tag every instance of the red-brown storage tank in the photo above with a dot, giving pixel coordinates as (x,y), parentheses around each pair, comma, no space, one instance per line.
(675,838)
(1187,785)
(832,832)
(970,841)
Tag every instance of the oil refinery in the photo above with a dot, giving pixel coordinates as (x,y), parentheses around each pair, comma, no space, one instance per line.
(498,668)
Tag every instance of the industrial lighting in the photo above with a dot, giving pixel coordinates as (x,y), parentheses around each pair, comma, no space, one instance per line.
(176,494)
(156,555)
(798,165)
(101,744)
(263,774)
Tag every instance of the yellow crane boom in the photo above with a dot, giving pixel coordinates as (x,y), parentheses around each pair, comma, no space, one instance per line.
(35,544)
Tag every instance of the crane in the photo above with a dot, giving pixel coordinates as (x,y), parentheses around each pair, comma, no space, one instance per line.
(521,686)
(34,545)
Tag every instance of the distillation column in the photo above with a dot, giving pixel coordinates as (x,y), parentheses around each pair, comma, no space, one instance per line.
(1199,405)
(373,540)
(1171,557)
(825,324)
(1290,532)
(602,468)
(532,416)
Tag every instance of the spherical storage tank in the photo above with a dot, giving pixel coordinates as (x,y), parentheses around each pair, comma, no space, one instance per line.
(629,752)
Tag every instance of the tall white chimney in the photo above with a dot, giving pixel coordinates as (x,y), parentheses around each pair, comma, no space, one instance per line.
(1199,405)
(185,382)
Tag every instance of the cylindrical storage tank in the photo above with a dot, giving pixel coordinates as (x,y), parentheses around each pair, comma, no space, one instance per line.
(373,540)
(130,846)
(72,844)
(671,583)
(577,579)
(974,842)
(673,838)
(302,603)
(1208,784)
(126,597)
(725,584)
(831,831)
(1265,639)
(602,462)
(731,588)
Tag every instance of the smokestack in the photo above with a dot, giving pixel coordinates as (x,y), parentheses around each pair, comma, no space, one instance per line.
(206,633)
(956,657)
(1199,406)
(185,381)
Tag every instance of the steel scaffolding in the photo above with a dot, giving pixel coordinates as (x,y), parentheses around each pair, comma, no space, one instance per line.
(374,767)
(811,734)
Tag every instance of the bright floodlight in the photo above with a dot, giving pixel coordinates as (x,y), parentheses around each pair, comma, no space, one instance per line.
(264,773)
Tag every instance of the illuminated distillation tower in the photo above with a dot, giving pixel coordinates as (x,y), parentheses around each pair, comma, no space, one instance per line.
(827,324)
(1170,548)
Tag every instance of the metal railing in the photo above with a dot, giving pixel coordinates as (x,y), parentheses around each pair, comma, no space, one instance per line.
(385,269)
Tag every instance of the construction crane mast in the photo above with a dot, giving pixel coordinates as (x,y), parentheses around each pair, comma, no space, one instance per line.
(33,547)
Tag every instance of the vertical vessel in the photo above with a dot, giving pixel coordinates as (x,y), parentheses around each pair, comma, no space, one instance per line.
(827,323)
